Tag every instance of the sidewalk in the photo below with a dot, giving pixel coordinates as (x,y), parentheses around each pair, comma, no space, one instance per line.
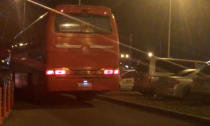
(190,107)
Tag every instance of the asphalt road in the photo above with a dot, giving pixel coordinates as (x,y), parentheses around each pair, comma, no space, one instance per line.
(65,111)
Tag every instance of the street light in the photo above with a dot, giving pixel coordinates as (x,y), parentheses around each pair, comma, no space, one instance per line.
(150,54)
(127,56)
(21,44)
(122,56)
(3,61)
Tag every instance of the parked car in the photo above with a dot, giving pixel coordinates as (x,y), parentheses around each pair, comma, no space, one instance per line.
(162,68)
(127,79)
(178,85)
(202,82)
(156,68)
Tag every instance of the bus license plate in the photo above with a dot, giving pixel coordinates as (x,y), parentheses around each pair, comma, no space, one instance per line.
(85,85)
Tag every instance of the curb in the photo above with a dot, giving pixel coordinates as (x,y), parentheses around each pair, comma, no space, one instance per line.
(159,110)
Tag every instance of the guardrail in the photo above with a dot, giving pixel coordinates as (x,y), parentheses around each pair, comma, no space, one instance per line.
(6,97)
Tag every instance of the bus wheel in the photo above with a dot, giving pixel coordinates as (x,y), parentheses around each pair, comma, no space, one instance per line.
(85,97)
(38,87)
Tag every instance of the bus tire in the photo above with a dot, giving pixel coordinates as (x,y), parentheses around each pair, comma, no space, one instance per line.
(38,88)
(85,97)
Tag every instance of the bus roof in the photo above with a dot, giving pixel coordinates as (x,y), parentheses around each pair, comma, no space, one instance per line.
(68,8)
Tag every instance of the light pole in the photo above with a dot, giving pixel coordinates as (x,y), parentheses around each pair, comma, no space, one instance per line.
(24,12)
(80,2)
(169,29)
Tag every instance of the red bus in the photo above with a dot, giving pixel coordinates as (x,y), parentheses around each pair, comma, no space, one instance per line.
(82,59)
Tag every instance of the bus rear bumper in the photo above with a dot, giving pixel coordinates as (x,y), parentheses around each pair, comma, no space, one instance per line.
(103,84)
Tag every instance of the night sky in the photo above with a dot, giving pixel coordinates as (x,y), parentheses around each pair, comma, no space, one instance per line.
(146,20)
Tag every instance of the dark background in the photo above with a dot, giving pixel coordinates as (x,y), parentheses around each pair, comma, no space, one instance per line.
(145,20)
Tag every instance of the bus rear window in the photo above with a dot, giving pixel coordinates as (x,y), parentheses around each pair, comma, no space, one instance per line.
(66,25)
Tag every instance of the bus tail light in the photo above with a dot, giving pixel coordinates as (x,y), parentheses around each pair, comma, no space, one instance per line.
(108,72)
(50,72)
(57,71)
(116,72)
(60,72)
(111,72)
